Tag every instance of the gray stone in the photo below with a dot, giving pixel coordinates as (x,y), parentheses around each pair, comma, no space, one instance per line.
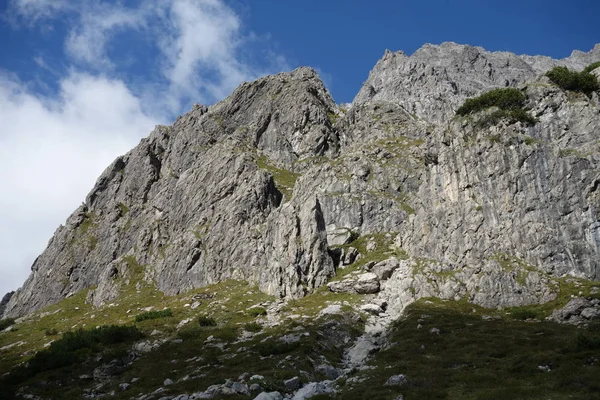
(167,382)
(312,389)
(371,309)
(329,371)
(292,383)
(591,313)
(269,396)
(386,268)
(350,256)
(396,380)
(367,283)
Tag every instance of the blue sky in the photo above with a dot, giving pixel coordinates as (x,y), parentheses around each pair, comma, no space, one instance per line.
(83,81)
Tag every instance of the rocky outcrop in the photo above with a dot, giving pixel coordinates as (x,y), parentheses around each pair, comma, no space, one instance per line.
(4,302)
(431,83)
(196,203)
(266,186)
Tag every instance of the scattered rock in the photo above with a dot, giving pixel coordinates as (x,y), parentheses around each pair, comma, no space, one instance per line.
(329,371)
(167,382)
(183,322)
(396,380)
(292,383)
(269,396)
(331,309)
(371,309)
(385,269)
(312,389)
(367,283)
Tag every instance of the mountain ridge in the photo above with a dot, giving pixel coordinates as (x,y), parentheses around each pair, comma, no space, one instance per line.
(276,176)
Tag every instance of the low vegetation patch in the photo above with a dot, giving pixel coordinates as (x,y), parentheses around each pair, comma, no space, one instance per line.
(5,323)
(257,311)
(566,79)
(206,321)
(503,98)
(508,101)
(75,346)
(455,350)
(153,315)
(592,67)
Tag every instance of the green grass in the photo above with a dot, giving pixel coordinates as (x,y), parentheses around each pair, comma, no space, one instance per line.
(475,358)
(153,315)
(284,180)
(257,311)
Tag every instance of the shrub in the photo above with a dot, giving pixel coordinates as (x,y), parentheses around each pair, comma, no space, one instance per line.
(253,327)
(74,346)
(576,81)
(592,67)
(153,315)
(51,332)
(5,323)
(206,321)
(503,98)
(226,334)
(256,311)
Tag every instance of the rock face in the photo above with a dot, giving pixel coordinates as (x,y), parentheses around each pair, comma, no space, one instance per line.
(262,185)
(433,82)
(5,301)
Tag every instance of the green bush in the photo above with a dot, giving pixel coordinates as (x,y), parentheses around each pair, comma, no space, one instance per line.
(75,346)
(5,323)
(256,311)
(206,321)
(253,327)
(503,98)
(592,67)
(153,315)
(576,81)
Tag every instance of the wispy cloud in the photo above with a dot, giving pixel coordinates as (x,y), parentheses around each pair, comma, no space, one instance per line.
(57,146)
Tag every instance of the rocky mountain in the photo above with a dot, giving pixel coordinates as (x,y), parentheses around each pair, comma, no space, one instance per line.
(272,184)
(279,245)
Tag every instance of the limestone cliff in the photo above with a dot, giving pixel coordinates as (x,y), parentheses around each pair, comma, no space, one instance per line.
(264,186)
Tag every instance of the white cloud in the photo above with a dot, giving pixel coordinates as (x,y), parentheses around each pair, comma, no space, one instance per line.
(98,23)
(52,149)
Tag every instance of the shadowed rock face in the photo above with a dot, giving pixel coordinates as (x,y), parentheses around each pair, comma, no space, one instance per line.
(5,301)
(259,186)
